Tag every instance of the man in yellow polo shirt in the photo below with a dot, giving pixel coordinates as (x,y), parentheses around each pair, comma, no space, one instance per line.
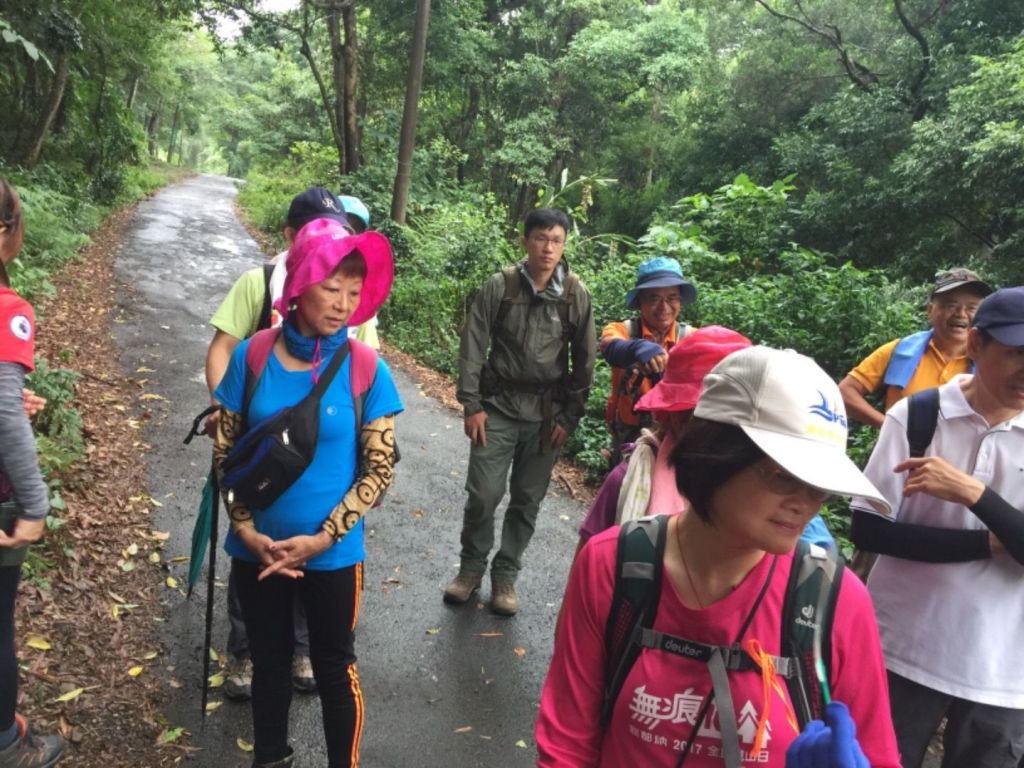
(922,360)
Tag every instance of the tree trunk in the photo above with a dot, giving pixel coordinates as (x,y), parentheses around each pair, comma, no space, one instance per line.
(133,91)
(351,50)
(151,126)
(38,137)
(338,61)
(174,131)
(403,177)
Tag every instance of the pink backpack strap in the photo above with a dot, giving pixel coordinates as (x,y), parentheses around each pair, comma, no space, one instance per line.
(362,370)
(261,344)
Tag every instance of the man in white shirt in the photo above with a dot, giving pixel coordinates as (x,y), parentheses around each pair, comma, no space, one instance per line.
(948,586)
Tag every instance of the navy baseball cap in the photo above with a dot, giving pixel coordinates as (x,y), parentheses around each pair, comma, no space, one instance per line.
(315,203)
(1001,316)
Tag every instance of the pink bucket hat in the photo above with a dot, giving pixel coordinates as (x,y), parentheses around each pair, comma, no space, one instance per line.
(689,361)
(318,250)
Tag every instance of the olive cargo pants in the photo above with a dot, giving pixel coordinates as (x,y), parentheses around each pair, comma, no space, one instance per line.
(514,445)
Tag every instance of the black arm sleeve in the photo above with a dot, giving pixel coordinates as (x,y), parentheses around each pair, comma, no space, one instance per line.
(1003,520)
(924,543)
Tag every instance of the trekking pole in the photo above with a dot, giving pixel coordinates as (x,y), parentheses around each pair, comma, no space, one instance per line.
(210,578)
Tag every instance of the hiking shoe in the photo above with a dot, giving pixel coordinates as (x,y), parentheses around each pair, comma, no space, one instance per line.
(302,674)
(238,679)
(503,598)
(462,587)
(31,751)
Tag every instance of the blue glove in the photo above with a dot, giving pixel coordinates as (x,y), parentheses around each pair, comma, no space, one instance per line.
(828,746)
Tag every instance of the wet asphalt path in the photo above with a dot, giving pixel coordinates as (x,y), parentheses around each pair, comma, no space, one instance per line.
(443,686)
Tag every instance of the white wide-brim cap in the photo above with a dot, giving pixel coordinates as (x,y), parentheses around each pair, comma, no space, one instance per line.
(793,411)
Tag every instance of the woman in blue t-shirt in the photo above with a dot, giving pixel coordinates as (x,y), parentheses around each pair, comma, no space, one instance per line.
(308,544)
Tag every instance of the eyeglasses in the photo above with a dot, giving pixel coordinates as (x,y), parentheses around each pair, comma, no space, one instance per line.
(955,307)
(780,482)
(542,241)
(652,300)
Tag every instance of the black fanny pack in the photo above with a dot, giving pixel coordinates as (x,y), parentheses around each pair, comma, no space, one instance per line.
(274,453)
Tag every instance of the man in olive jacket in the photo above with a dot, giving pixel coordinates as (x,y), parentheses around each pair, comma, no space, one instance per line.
(526,362)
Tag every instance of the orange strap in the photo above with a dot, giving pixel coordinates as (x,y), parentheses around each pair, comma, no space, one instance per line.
(769,681)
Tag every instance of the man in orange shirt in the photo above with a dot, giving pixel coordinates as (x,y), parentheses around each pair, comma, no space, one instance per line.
(637,349)
(922,360)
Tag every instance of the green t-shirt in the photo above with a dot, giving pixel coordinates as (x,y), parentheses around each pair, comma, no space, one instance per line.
(239,313)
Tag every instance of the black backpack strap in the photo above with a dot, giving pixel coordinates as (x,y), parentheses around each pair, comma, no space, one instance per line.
(922,417)
(264,321)
(635,598)
(807,617)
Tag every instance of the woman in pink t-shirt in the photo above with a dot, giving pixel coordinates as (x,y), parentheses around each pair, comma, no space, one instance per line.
(765,448)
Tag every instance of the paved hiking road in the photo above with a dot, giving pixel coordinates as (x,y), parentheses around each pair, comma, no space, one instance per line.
(453,687)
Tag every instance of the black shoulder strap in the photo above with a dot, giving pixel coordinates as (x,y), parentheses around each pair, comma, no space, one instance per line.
(634,327)
(634,601)
(264,321)
(922,417)
(807,617)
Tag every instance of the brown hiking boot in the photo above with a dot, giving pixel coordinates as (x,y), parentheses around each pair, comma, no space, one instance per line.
(503,598)
(31,751)
(462,587)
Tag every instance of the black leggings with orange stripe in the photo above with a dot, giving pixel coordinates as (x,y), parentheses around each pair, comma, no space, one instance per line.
(331,600)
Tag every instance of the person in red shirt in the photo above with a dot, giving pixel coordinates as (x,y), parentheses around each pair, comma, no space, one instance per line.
(637,349)
(24,500)
(765,447)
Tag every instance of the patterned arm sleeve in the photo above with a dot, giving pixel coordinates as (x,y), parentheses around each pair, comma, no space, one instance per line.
(229,429)
(376,471)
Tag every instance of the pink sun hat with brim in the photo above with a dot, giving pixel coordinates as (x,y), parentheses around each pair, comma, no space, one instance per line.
(317,251)
(689,361)
(793,411)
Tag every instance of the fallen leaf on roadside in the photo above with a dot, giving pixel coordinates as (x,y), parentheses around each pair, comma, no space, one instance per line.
(150,656)
(433,630)
(70,695)
(151,396)
(519,651)
(521,744)
(490,634)
(217,680)
(172,583)
(144,369)
(243,745)
(464,729)
(135,671)
(213,706)
(169,735)
(39,643)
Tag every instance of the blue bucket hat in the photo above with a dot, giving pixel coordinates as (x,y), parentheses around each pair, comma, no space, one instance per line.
(661,272)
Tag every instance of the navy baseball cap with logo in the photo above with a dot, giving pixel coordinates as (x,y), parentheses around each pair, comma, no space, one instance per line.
(1001,316)
(315,203)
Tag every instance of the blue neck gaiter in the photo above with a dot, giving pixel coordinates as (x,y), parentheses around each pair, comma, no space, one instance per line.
(311,348)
